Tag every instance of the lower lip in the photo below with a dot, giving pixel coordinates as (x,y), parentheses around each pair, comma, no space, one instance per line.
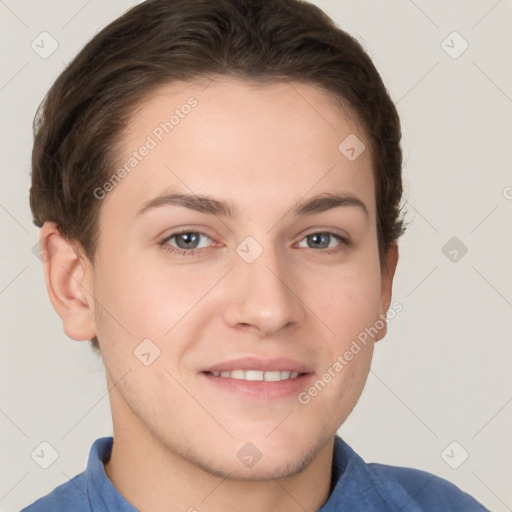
(268,390)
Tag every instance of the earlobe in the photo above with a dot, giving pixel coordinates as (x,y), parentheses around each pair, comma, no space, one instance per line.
(68,277)
(387,276)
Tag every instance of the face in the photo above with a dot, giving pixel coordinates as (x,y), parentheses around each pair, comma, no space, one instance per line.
(237,263)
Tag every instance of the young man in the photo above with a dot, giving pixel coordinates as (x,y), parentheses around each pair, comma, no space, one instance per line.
(218,185)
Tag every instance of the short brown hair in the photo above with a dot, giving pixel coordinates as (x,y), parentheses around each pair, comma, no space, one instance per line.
(80,123)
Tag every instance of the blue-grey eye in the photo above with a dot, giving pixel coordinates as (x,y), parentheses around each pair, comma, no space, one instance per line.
(189,240)
(320,241)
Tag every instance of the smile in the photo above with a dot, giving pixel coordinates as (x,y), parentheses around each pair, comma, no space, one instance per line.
(257,375)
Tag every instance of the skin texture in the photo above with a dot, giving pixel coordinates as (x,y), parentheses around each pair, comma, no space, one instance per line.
(178,434)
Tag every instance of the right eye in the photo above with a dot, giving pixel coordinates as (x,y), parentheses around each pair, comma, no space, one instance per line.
(186,242)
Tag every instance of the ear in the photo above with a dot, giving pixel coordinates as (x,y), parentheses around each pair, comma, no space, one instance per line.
(387,275)
(68,276)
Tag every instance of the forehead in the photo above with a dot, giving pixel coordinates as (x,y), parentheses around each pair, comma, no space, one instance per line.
(245,142)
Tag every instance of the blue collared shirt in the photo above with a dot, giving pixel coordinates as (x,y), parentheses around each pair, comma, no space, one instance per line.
(359,487)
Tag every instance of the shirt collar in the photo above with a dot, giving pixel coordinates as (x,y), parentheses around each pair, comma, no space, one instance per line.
(101,492)
(359,489)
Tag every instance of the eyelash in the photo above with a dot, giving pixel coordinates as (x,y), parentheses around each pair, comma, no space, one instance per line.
(344,243)
(181,252)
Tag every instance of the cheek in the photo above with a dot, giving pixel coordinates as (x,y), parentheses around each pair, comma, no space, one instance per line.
(126,306)
(349,306)
(347,299)
(149,298)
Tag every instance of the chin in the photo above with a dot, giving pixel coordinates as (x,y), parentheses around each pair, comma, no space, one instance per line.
(252,456)
(249,465)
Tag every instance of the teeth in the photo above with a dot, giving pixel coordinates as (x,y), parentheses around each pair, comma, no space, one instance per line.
(272,376)
(253,375)
(237,374)
(257,375)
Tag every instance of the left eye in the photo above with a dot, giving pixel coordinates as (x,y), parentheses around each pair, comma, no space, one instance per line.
(320,241)
(189,240)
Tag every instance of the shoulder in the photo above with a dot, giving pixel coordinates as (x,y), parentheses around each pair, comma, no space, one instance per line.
(70,495)
(428,491)
(381,487)
(85,491)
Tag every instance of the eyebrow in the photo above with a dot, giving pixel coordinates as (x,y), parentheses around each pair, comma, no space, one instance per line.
(329,201)
(206,204)
(200,203)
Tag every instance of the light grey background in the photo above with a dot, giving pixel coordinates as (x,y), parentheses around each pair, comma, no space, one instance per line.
(443,372)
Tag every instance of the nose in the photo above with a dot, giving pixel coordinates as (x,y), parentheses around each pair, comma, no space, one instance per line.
(262,296)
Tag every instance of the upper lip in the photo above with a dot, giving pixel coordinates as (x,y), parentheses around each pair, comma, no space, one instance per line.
(254,363)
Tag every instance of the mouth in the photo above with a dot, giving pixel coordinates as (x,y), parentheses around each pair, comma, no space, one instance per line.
(257,375)
(257,378)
